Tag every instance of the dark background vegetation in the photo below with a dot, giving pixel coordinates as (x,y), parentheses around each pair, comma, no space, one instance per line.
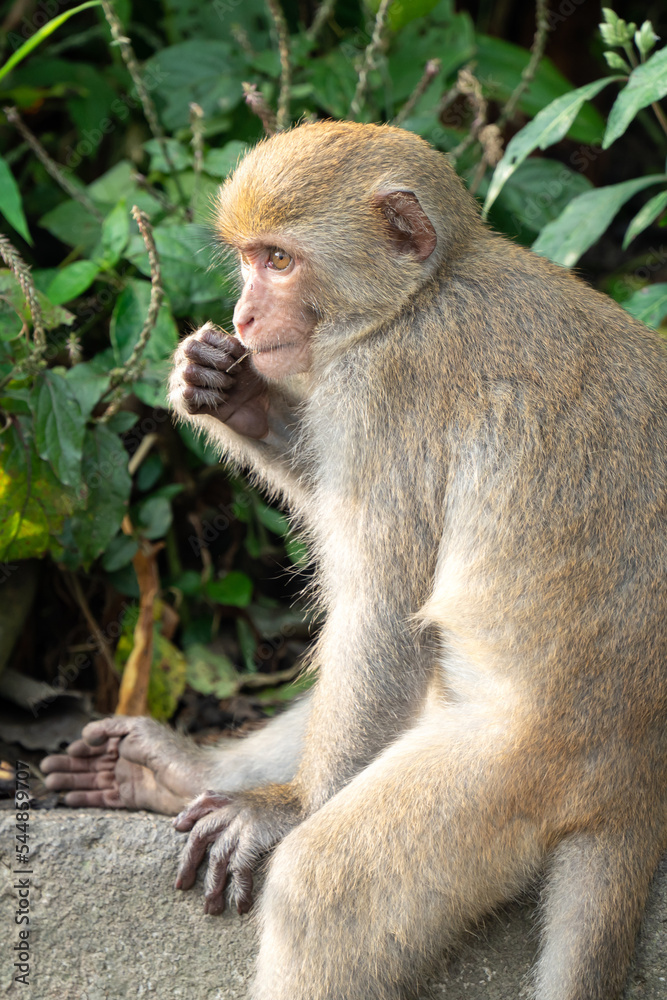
(228,623)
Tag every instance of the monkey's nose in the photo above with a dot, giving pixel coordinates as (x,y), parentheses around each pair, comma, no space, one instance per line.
(242,325)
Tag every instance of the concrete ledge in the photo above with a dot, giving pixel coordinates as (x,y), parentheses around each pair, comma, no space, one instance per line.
(106,923)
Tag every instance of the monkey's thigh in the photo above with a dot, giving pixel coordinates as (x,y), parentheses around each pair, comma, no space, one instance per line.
(362,898)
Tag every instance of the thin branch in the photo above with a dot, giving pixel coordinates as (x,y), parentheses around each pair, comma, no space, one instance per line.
(22,273)
(536,54)
(130,60)
(370,58)
(431,70)
(258,104)
(324,12)
(98,635)
(282,116)
(124,376)
(50,165)
(469,87)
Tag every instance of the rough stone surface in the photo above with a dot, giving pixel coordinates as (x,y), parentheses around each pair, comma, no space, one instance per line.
(106,923)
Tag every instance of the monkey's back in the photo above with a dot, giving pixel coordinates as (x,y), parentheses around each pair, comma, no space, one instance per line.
(552,564)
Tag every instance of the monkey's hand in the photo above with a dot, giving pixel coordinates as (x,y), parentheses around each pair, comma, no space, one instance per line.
(240,829)
(210,380)
(123,763)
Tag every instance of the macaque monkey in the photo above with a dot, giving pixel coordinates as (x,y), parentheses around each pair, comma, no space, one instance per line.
(475,444)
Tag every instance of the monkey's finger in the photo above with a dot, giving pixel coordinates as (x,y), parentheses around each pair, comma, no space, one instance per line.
(216,880)
(107,799)
(207,401)
(204,804)
(61,780)
(212,335)
(96,733)
(215,356)
(242,889)
(60,764)
(207,378)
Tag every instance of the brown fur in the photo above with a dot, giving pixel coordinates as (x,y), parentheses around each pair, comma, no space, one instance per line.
(478,453)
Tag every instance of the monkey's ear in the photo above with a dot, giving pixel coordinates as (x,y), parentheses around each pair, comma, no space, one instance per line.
(410,227)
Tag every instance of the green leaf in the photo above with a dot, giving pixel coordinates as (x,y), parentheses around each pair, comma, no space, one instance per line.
(168,667)
(209,454)
(271,518)
(71,281)
(614,61)
(189,583)
(73,224)
(59,426)
(185,259)
(235,589)
(499,69)
(33,503)
(646,38)
(616,31)
(180,155)
(586,218)
(221,162)
(11,294)
(41,34)
(549,126)
(649,305)
(200,70)
(647,83)
(11,205)
(87,384)
(400,14)
(211,673)
(645,216)
(115,234)
(534,196)
(119,552)
(154,517)
(107,486)
(128,318)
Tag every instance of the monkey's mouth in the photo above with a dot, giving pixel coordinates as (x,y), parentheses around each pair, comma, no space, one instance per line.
(271,349)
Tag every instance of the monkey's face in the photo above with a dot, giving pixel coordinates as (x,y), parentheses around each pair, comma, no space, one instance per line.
(270,318)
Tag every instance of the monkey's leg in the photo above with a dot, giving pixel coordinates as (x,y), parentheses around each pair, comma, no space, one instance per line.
(364,896)
(593,904)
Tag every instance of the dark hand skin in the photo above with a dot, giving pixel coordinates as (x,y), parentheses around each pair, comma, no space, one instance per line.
(236,395)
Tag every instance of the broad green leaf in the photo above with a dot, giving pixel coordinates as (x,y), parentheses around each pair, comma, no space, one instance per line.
(221,162)
(185,259)
(115,234)
(107,486)
(180,156)
(11,205)
(200,70)
(647,214)
(73,224)
(211,673)
(33,503)
(11,294)
(647,83)
(154,517)
(119,552)
(59,426)
(616,31)
(127,321)
(400,14)
(198,444)
(614,61)
(72,281)
(649,305)
(88,385)
(535,195)
(586,218)
(271,518)
(549,126)
(234,589)
(41,34)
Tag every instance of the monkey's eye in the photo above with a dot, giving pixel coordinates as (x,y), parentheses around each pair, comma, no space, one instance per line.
(279,259)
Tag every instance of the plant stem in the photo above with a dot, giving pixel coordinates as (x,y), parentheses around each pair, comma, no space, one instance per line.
(50,165)
(21,272)
(370,56)
(282,115)
(431,70)
(130,60)
(536,54)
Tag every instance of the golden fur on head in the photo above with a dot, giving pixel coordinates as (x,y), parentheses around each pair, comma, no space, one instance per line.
(312,191)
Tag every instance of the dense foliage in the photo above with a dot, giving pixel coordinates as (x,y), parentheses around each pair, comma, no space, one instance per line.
(114,107)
